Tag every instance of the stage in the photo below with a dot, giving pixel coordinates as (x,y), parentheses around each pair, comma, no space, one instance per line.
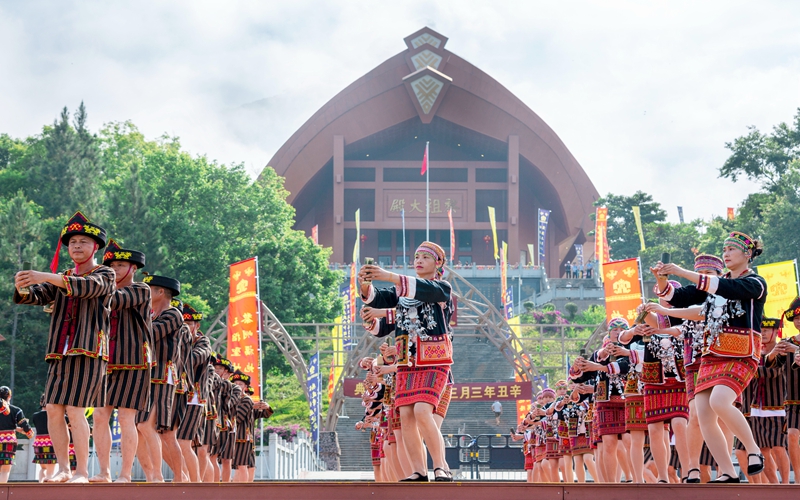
(325,490)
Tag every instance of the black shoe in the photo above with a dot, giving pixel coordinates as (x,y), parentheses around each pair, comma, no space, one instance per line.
(660,481)
(753,469)
(447,478)
(692,480)
(415,478)
(725,478)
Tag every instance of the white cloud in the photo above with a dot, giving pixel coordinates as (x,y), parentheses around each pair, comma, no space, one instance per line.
(644,94)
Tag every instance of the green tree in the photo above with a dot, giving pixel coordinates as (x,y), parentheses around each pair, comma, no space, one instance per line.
(623,238)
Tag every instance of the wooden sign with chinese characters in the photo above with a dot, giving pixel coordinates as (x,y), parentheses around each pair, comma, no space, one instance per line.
(413,202)
(623,290)
(244,322)
(475,391)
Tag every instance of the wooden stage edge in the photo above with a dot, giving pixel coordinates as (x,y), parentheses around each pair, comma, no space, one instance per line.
(327,490)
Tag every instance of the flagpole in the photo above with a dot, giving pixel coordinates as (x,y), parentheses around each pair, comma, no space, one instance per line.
(427,194)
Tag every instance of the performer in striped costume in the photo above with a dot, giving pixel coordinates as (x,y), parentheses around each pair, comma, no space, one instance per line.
(229,396)
(156,422)
(128,379)
(792,403)
(247,411)
(77,350)
(195,366)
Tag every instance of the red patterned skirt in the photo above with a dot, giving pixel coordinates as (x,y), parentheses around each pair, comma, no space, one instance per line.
(552,451)
(539,452)
(420,385)
(610,416)
(43,451)
(634,413)
(444,402)
(665,401)
(8,447)
(735,373)
(375,448)
(580,445)
(528,461)
(691,380)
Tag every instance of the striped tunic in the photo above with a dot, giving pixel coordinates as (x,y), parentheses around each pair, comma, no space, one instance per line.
(168,330)
(196,366)
(130,334)
(769,386)
(80,319)
(792,380)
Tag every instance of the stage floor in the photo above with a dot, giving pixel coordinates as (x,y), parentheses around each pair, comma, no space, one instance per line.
(325,490)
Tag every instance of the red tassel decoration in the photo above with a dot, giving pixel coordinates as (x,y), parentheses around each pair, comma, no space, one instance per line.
(54,262)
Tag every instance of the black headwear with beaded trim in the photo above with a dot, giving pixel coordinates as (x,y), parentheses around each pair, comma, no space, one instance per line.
(191,314)
(169,283)
(115,253)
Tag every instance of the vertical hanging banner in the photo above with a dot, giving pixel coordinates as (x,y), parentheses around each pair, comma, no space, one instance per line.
(337,361)
(523,405)
(452,236)
(351,338)
(544,217)
(579,253)
(312,385)
(244,321)
(781,280)
(531,255)
(315,234)
(680,215)
(116,429)
(493,222)
(637,217)
(357,245)
(731,213)
(508,302)
(600,240)
(623,289)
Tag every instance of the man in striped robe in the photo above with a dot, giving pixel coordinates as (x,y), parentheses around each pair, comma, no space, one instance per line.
(156,424)
(195,366)
(128,380)
(228,398)
(77,350)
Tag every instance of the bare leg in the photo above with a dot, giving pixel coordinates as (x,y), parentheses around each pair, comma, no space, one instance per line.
(153,448)
(59,434)
(80,439)
(650,472)
(192,464)
(624,456)
(143,454)
(659,447)
(402,454)
(741,457)
(599,455)
(694,441)
(794,452)
(225,474)
(637,455)
(130,442)
(770,471)
(423,413)
(679,428)
(705,473)
(580,473)
(610,458)
(172,454)
(719,400)
(781,459)
(588,461)
(378,476)
(102,443)
(567,469)
(216,469)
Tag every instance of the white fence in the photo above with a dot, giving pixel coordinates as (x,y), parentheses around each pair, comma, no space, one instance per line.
(278,460)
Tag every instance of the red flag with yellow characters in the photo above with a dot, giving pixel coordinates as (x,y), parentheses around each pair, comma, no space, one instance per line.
(244,322)
(623,289)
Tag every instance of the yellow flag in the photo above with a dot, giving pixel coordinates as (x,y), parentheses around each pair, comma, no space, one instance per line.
(530,252)
(781,280)
(493,222)
(337,363)
(504,271)
(637,216)
(357,245)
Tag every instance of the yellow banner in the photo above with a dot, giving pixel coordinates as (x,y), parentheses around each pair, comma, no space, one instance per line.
(637,216)
(523,405)
(244,324)
(504,272)
(530,252)
(782,289)
(493,222)
(623,289)
(337,363)
(600,241)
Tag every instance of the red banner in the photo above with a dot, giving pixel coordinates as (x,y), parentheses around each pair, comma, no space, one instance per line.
(731,214)
(470,391)
(244,322)
(623,289)
(315,234)
(600,238)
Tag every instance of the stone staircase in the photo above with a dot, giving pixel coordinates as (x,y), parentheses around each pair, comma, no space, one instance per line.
(476,360)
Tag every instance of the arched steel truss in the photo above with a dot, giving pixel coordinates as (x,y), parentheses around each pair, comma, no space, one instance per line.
(474,310)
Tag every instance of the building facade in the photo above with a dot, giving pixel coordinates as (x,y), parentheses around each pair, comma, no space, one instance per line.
(363,151)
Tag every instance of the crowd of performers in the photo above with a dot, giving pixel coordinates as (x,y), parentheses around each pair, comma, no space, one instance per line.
(409,383)
(115,343)
(700,373)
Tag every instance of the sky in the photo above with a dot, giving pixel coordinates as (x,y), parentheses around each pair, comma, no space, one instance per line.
(644,94)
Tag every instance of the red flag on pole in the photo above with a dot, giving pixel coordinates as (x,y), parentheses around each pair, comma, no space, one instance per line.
(424,161)
(315,234)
